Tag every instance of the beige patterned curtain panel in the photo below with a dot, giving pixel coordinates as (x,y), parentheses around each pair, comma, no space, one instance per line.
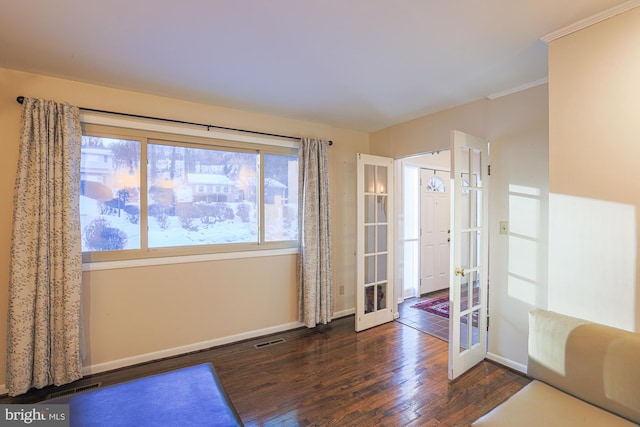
(46,253)
(315,285)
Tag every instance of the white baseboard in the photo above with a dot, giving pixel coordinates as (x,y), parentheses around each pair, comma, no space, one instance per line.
(176,351)
(142,358)
(344,313)
(508,363)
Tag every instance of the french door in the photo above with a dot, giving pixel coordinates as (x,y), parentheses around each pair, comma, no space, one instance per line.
(469,252)
(374,225)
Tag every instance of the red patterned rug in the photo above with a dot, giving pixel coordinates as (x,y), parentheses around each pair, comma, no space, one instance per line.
(440,307)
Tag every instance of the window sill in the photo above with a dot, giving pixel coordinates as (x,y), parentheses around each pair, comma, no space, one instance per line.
(149,262)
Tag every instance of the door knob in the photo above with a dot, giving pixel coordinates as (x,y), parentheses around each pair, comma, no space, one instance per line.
(459,272)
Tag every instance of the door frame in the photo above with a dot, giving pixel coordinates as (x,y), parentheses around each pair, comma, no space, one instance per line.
(443,164)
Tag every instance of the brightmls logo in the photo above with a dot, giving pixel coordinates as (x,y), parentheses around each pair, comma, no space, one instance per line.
(34,415)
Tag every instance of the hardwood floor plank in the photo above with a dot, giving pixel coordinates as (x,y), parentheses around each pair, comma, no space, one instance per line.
(391,375)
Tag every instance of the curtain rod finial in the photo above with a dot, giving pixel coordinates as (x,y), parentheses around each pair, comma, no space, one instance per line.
(20,99)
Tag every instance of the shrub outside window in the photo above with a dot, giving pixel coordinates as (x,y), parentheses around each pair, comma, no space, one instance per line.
(144,194)
(109,194)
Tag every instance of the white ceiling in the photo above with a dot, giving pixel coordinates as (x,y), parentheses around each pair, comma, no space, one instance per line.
(358,64)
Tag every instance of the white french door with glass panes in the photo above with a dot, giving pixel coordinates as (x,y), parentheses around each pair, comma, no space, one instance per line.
(374,276)
(469,252)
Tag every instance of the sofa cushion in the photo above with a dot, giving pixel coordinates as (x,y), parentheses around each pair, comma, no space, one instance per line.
(539,404)
(596,363)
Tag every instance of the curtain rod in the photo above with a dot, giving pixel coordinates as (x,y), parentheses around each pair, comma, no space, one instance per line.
(20,100)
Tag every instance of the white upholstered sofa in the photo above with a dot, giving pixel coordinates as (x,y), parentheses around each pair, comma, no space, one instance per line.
(584,374)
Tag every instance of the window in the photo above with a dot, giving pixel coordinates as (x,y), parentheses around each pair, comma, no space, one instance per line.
(162,195)
(280,197)
(436,184)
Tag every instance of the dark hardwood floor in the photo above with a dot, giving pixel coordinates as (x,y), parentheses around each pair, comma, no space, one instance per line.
(391,375)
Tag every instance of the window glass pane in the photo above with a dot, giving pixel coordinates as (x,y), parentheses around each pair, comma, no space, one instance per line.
(436,185)
(382,268)
(280,197)
(381,297)
(369,239)
(382,239)
(369,179)
(464,334)
(465,163)
(200,196)
(109,194)
(370,206)
(477,168)
(475,332)
(369,299)
(411,202)
(411,267)
(476,210)
(464,294)
(369,269)
(381,202)
(381,180)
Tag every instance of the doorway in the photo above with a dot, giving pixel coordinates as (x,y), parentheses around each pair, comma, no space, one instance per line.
(424,241)
(467,303)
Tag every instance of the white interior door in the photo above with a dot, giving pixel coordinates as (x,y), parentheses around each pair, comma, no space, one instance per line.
(434,236)
(374,257)
(469,252)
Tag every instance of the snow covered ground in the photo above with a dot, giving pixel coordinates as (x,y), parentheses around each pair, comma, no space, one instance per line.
(228,231)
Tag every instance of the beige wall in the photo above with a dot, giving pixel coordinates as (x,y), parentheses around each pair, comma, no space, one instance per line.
(430,133)
(594,150)
(517,127)
(519,133)
(138,313)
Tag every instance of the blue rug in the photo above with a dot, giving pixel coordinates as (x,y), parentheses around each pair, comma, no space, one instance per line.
(190,396)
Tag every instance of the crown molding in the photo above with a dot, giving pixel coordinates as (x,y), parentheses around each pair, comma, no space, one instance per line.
(520,88)
(599,17)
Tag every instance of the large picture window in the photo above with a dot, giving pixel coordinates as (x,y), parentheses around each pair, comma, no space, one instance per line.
(148,194)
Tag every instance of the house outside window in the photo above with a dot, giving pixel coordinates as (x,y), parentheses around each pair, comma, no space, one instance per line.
(161,195)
